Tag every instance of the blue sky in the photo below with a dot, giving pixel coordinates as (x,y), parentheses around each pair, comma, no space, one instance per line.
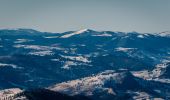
(66,15)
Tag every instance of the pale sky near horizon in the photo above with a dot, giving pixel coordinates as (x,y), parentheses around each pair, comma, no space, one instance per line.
(69,15)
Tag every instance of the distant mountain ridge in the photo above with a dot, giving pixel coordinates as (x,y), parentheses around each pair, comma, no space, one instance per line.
(165,33)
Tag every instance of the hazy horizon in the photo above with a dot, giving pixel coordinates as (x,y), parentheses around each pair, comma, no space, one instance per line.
(101,15)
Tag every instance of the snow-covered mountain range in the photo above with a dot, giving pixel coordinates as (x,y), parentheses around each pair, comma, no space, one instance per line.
(100,65)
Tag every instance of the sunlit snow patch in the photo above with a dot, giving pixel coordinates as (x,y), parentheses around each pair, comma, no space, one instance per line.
(68,64)
(75,33)
(140,36)
(8,94)
(42,53)
(77,58)
(103,35)
(22,40)
(11,65)
(124,49)
(38,47)
(86,85)
(51,37)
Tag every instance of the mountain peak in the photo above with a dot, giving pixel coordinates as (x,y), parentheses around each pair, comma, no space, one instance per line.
(77,32)
(84,30)
(165,33)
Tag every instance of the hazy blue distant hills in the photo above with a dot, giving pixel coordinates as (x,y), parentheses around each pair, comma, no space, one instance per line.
(115,64)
